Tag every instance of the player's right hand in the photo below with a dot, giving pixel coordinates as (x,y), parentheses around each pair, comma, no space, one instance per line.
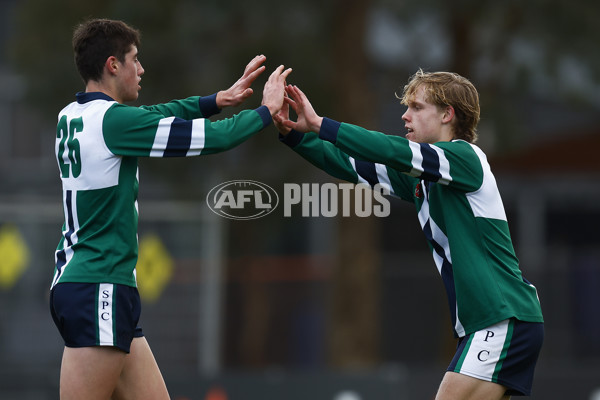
(274,90)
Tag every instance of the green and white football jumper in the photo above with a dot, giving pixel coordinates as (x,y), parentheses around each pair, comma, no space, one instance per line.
(98,142)
(459,209)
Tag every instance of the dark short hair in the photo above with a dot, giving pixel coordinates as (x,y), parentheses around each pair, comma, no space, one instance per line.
(96,40)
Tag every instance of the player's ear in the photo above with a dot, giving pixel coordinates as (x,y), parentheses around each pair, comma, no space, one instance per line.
(448,114)
(112,65)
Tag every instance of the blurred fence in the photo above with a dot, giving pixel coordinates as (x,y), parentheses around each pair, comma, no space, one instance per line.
(196,310)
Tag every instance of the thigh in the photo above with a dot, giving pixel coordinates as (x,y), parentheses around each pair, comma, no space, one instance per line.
(90,372)
(140,377)
(455,386)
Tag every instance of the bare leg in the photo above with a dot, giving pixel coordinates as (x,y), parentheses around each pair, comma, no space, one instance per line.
(97,373)
(90,372)
(140,377)
(462,387)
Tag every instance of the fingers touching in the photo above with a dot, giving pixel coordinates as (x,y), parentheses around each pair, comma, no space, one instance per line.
(274,90)
(278,96)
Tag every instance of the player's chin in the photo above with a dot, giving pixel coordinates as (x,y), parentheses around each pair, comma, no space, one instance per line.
(132,97)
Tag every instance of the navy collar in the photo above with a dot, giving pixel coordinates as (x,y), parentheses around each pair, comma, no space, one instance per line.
(84,97)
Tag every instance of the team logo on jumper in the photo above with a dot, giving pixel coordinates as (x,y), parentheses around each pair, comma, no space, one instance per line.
(242,199)
(418,191)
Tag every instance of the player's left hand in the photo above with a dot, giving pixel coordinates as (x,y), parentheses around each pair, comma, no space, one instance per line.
(308,120)
(241,89)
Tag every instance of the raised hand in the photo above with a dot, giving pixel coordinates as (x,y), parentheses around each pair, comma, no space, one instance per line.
(274,90)
(241,89)
(308,120)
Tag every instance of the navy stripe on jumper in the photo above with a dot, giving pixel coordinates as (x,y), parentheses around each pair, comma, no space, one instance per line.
(180,138)
(61,260)
(431,163)
(367,171)
(61,256)
(446,272)
(70,220)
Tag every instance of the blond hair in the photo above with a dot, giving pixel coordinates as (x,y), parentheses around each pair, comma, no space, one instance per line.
(445,89)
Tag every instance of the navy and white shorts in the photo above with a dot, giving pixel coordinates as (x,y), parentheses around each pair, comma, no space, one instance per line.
(504,353)
(96,314)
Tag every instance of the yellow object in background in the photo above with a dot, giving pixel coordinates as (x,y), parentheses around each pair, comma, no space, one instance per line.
(14,255)
(154,268)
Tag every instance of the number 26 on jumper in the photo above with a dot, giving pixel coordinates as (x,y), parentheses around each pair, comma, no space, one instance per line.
(71,161)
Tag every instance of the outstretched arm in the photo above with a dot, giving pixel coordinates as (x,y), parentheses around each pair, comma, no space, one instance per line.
(320,153)
(142,132)
(241,89)
(448,163)
(325,156)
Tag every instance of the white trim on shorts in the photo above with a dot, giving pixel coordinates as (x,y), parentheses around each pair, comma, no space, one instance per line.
(105,316)
(485,351)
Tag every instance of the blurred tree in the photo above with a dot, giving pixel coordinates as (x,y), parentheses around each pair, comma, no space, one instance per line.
(354,323)
(42,52)
(518,54)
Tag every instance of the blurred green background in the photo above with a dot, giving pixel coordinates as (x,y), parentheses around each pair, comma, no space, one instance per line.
(342,308)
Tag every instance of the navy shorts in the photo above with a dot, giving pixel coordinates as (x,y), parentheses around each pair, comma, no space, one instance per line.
(505,353)
(96,314)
